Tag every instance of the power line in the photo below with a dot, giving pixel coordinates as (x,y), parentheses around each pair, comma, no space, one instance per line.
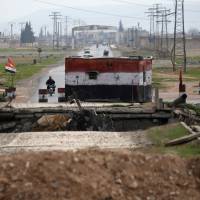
(147,5)
(131,3)
(89,11)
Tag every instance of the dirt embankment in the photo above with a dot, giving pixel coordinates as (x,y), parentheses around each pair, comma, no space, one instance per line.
(98,175)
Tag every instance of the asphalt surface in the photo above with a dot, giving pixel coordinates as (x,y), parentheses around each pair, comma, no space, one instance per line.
(58,73)
(64,141)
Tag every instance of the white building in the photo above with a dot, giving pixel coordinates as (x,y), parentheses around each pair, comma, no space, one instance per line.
(94,34)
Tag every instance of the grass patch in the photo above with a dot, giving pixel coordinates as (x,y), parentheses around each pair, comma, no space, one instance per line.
(160,135)
(5,50)
(194,72)
(158,84)
(162,83)
(31,50)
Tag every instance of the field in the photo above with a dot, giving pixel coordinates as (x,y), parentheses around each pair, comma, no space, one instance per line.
(164,76)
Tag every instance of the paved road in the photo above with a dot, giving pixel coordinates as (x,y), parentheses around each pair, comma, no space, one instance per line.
(58,73)
(97,52)
(51,141)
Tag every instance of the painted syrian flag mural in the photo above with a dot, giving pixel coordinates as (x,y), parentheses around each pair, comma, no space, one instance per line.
(126,79)
(10,66)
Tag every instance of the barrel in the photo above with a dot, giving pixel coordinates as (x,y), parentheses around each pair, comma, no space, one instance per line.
(43,95)
(61,95)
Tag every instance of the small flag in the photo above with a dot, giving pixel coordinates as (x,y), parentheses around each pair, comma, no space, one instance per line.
(10,66)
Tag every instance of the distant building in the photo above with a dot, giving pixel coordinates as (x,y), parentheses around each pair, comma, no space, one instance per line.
(7,42)
(92,34)
(134,37)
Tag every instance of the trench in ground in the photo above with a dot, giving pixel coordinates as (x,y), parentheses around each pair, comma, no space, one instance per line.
(85,121)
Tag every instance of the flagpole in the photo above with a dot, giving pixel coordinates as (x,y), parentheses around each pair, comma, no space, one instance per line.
(12,80)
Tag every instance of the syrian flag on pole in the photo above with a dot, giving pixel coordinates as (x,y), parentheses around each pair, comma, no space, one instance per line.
(10,66)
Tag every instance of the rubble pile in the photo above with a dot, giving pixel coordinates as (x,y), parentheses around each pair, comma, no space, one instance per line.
(84,120)
(99,175)
(52,123)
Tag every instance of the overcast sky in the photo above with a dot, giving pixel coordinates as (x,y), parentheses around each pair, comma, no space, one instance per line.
(11,9)
(15,10)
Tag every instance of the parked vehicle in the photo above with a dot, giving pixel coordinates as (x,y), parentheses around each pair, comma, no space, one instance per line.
(106,53)
(87,53)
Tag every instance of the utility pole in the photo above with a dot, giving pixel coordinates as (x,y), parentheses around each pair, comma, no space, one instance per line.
(11,31)
(159,27)
(136,37)
(132,37)
(154,14)
(61,33)
(45,31)
(152,28)
(66,31)
(166,21)
(179,49)
(164,40)
(157,15)
(55,17)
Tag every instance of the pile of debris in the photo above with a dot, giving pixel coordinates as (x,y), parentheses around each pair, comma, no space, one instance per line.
(99,175)
(190,120)
(85,120)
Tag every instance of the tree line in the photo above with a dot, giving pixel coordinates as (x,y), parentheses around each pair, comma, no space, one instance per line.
(27,34)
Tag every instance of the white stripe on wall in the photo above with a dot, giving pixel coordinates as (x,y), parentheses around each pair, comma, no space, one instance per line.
(82,78)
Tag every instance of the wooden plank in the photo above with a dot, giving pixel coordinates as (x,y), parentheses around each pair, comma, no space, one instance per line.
(196,128)
(185,139)
(187,128)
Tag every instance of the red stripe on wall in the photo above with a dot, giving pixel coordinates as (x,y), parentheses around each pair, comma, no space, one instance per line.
(104,65)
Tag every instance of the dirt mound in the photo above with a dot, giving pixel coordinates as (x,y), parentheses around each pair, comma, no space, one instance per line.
(98,175)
